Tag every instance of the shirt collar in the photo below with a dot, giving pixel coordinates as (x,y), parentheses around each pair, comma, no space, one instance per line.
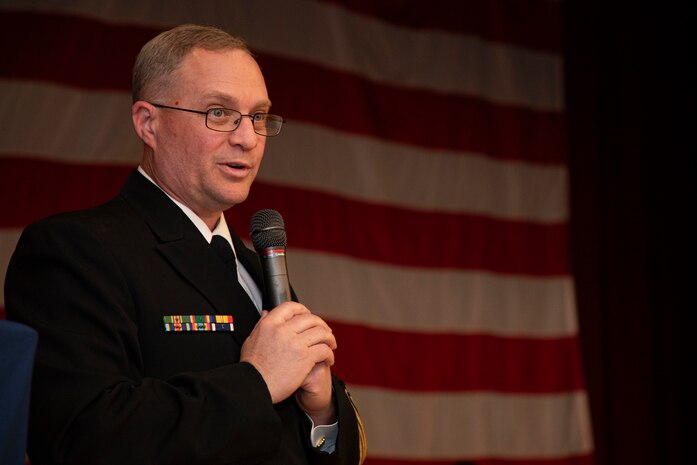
(221,228)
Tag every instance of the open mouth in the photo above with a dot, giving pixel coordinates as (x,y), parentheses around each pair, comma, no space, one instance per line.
(236,165)
(236,169)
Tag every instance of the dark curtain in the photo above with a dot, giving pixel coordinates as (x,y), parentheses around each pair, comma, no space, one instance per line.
(629,74)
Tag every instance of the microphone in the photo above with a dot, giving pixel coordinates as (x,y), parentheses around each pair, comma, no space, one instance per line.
(269,238)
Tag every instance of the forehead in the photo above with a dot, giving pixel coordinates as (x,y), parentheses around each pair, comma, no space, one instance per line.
(231,75)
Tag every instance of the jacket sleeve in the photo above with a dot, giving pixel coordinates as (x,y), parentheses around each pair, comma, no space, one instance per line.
(351,445)
(91,402)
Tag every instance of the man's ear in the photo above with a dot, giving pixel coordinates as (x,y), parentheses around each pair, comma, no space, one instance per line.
(143,117)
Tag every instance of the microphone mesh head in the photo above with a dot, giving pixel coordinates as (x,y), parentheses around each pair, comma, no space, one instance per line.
(267,230)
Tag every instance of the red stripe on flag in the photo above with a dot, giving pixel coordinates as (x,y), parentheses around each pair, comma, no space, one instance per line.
(529,24)
(409,116)
(315,221)
(399,236)
(415,361)
(32,189)
(70,50)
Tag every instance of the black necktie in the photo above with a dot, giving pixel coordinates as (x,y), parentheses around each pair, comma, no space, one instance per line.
(224,250)
(245,313)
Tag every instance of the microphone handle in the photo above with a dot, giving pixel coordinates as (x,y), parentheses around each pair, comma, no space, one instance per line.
(273,264)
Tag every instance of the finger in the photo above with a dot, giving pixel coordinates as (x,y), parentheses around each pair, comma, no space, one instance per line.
(303,322)
(318,335)
(321,353)
(288,310)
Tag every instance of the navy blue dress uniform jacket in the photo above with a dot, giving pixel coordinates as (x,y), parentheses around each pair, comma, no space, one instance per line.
(110,385)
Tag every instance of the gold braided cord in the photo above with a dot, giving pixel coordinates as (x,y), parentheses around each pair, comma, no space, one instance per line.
(362,440)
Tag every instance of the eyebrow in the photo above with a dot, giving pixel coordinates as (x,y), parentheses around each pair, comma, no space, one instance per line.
(229,100)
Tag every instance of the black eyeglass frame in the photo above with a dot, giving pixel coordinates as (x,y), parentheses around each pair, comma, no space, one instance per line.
(239,121)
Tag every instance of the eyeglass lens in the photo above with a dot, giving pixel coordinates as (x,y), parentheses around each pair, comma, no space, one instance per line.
(225,119)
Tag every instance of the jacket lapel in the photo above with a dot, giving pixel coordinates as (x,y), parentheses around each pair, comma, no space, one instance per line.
(183,246)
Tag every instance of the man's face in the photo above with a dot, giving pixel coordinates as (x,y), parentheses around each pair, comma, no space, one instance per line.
(210,171)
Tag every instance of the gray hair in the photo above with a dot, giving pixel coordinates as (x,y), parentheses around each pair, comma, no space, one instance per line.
(156,64)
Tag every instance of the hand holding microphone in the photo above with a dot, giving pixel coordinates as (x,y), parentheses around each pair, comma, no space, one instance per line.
(290,347)
(285,346)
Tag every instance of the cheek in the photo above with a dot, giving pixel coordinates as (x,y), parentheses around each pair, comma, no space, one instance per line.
(186,160)
(193,149)
(260,149)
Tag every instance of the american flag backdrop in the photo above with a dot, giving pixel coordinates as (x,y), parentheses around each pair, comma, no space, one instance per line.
(421,175)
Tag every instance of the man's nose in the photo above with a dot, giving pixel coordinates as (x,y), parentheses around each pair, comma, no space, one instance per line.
(244,135)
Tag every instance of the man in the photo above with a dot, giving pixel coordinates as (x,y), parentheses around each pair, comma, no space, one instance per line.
(121,377)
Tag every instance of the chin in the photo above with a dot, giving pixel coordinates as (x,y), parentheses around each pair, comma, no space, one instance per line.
(233,200)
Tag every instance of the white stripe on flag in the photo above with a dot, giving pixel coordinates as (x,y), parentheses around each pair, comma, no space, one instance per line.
(419,299)
(390,297)
(473,425)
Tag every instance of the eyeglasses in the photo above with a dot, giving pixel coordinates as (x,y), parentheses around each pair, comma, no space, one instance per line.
(227,120)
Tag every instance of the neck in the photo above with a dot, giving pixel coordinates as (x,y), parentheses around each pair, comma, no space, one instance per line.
(210,218)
